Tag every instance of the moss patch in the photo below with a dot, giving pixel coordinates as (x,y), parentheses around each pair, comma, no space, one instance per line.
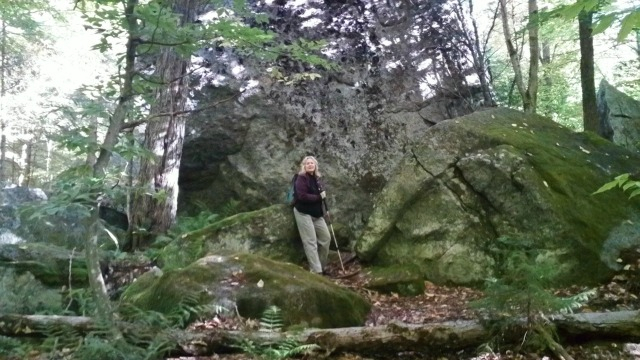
(500,173)
(404,280)
(252,283)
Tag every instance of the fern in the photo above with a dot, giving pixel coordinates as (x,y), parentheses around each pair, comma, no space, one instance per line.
(23,294)
(230,208)
(284,349)
(271,320)
(521,288)
(577,301)
(623,181)
(13,348)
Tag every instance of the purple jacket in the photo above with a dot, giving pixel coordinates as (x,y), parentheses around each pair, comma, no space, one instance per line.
(307,191)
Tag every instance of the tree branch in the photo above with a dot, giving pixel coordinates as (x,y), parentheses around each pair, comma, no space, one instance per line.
(134,124)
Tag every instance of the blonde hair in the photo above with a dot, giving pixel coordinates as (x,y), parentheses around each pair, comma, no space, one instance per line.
(302,170)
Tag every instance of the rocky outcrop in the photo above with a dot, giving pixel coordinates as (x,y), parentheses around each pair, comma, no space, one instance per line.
(248,151)
(50,264)
(619,116)
(500,173)
(11,198)
(251,284)
(357,119)
(269,232)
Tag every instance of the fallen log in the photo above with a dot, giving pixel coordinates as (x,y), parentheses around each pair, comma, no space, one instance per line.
(444,337)
(33,325)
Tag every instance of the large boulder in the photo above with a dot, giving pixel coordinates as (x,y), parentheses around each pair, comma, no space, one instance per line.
(357,119)
(48,263)
(252,284)
(270,232)
(11,199)
(619,116)
(501,173)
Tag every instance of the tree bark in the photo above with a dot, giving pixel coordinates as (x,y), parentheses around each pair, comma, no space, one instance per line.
(445,337)
(156,202)
(28,162)
(534,55)
(3,122)
(590,118)
(529,94)
(112,135)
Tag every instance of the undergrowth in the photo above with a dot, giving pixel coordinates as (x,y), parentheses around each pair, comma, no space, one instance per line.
(283,347)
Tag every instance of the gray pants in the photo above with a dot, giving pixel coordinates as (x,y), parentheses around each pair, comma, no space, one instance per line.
(315,239)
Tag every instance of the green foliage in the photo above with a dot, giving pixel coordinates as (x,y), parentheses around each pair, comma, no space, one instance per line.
(629,19)
(288,347)
(284,349)
(521,285)
(521,289)
(80,302)
(12,348)
(185,224)
(173,252)
(23,294)
(96,348)
(624,182)
(150,340)
(271,320)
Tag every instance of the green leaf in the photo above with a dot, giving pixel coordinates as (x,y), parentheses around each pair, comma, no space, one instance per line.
(635,193)
(628,185)
(604,23)
(606,187)
(631,21)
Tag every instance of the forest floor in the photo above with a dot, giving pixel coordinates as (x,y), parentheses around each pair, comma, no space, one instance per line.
(447,303)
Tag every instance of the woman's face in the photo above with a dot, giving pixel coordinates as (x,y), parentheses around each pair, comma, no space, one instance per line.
(309,165)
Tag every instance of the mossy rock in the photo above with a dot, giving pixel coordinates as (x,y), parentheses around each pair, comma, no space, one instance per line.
(269,232)
(252,283)
(404,280)
(48,263)
(500,173)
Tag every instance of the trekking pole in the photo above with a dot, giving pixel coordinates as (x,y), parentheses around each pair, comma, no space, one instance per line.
(333,234)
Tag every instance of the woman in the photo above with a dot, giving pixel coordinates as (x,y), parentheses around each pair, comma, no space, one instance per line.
(308,212)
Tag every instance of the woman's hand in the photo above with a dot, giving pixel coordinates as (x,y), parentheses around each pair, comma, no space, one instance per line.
(323,195)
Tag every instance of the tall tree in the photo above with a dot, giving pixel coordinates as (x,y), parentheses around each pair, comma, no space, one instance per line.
(587,73)
(528,93)
(155,204)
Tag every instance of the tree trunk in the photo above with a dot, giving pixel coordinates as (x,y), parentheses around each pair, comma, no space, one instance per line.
(529,94)
(93,138)
(638,43)
(3,122)
(156,201)
(28,164)
(534,55)
(112,135)
(590,118)
(434,338)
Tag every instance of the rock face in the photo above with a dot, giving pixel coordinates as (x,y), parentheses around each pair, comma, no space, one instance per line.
(248,151)
(269,232)
(10,200)
(252,283)
(500,173)
(48,263)
(357,120)
(619,116)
